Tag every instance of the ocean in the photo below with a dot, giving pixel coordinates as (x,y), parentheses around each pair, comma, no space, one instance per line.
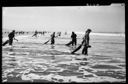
(29,60)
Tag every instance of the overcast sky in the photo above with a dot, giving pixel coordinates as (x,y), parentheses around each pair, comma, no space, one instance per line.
(65,18)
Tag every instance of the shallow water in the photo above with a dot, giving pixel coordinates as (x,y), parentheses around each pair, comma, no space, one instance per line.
(31,61)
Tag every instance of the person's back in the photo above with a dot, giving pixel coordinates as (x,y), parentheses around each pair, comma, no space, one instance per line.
(85,37)
(11,35)
(73,36)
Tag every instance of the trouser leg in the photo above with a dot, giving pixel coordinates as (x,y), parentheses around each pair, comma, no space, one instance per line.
(85,50)
(75,42)
(52,41)
(72,42)
(10,41)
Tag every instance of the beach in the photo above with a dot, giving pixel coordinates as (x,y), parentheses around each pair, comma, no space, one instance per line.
(29,60)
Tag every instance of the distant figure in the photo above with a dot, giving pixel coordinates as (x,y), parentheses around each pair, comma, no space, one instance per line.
(43,33)
(59,33)
(53,38)
(35,34)
(74,40)
(85,43)
(10,36)
(23,32)
(65,33)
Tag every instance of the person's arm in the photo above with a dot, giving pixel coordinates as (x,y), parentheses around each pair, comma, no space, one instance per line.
(15,39)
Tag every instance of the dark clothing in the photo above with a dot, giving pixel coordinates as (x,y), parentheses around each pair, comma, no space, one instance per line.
(85,50)
(10,41)
(74,40)
(52,38)
(86,39)
(11,35)
(85,44)
(52,41)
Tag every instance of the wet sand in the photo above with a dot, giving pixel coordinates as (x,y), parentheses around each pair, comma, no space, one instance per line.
(31,61)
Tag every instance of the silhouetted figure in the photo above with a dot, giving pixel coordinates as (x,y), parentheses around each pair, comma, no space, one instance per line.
(53,38)
(23,32)
(74,40)
(85,43)
(35,34)
(11,36)
(43,32)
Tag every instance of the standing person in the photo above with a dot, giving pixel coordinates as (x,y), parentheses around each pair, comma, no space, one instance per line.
(43,32)
(74,40)
(86,39)
(59,33)
(53,38)
(35,34)
(11,36)
(85,43)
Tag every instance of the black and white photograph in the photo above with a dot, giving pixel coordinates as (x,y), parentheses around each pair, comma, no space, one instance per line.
(64,44)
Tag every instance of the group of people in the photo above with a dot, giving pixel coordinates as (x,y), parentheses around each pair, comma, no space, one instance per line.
(73,42)
(43,33)
(85,42)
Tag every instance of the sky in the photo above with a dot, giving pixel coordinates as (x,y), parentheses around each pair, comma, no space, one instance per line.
(65,18)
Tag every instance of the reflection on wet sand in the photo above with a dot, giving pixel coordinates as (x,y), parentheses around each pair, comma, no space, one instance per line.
(54,63)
